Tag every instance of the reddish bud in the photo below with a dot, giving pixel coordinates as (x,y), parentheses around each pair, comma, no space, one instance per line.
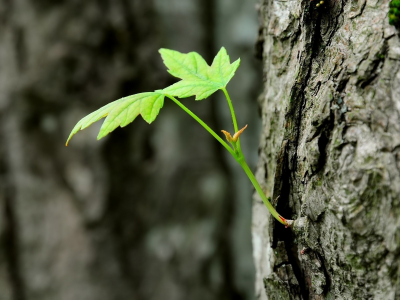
(228,136)
(237,134)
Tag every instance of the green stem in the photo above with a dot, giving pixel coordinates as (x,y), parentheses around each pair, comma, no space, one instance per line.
(235,126)
(241,160)
(237,154)
(259,190)
(203,124)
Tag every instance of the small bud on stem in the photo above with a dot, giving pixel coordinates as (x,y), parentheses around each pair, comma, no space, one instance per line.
(235,137)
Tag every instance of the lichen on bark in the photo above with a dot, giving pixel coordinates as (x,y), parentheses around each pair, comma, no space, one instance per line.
(330,149)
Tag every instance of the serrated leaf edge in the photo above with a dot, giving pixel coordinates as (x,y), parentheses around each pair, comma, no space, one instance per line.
(93,117)
(217,85)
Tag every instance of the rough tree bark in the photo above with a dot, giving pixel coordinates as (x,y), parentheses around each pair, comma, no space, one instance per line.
(330,151)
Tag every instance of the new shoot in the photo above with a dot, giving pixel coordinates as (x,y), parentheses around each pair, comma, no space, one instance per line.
(197,79)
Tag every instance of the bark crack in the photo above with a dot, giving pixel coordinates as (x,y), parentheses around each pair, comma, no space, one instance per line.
(339,161)
(287,159)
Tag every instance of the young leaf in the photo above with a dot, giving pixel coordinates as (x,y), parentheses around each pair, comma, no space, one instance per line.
(187,88)
(198,78)
(189,66)
(122,112)
(221,69)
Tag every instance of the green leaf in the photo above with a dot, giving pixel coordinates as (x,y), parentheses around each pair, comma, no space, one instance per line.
(221,69)
(122,112)
(187,88)
(189,66)
(198,78)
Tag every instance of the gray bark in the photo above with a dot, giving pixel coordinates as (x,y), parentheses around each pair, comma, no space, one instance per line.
(330,150)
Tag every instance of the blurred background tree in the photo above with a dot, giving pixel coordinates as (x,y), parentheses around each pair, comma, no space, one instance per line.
(150,212)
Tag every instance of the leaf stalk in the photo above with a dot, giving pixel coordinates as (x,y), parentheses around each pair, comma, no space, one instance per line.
(197,79)
(236,153)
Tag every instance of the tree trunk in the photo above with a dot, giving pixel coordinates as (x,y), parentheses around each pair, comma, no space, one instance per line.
(330,152)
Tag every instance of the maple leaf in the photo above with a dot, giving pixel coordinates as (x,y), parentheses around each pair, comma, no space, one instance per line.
(122,112)
(198,78)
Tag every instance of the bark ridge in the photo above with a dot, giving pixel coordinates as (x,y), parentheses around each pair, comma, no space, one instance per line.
(330,152)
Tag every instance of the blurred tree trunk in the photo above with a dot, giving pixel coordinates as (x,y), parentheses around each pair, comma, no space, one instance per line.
(145,213)
(330,151)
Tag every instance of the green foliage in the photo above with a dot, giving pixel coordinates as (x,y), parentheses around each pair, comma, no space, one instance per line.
(122,112)
(394,13)
(198,78)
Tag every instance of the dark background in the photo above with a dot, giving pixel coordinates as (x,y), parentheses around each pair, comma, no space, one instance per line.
(150,212)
